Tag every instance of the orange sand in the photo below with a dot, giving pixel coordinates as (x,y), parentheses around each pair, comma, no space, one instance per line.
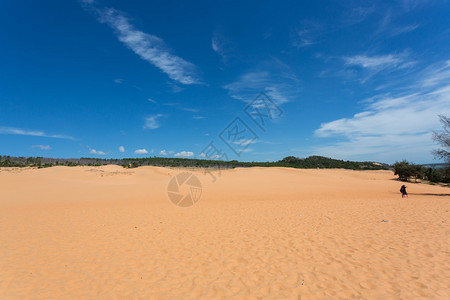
(258,233)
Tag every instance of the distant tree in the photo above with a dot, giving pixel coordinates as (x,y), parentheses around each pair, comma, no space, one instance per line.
(445,174)
(432,175)
(404,170)
(443,138)
(290,159)
(417,172)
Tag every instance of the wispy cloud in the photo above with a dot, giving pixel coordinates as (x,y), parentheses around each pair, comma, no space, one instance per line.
(151,122)
(150,48)
(374,62)
(42,147)
(245,142)
(409,5)
(175,105)
(184,154)
(307,34)
(280,88)
(118,80)
(436,74)
(122,149)
(189,109)
(19,131)
(357,14)
(175,88)
(140,151)
(387,29)
(215,45)
(181,107)
(367,66)
(402,30)
(222,46)
(392,127)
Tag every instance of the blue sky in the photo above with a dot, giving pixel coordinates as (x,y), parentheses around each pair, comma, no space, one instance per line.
(358,80)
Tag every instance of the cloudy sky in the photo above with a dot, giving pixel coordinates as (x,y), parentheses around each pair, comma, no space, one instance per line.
(245,80)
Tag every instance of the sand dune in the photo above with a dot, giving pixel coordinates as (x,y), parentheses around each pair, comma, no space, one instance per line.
(257,233)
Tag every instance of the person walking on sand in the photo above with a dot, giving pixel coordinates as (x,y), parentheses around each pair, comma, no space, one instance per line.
(403,191)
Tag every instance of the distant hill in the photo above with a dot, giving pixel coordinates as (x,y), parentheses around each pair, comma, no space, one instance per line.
(329,163)
(435,166)
(311,162)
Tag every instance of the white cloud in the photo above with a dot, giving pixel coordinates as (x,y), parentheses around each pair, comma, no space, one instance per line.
(215,45)
(221,46)
(122,149)
(18,131)
(378,61)
(140,151)
(189,109)
(402,30)
(365,67)
(152,100)
(436,74)
(175,88)
(387,29)
(307,34)
(354,13)
(392,127)
(152,122)
(180,107)
(245,142)
(409,5)
(118,80)
(42,147)
(303,39)
(165,153)
(184,154)
(93,151)
(202,155)
(150,48)
(278,88)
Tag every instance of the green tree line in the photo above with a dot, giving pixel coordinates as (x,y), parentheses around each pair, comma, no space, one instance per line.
(406,170)
(290,161)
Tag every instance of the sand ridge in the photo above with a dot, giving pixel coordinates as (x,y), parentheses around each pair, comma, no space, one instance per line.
(256,233)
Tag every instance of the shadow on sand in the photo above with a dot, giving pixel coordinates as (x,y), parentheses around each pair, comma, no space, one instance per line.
(430,194)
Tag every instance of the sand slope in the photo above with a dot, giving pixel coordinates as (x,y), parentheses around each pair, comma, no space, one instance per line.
(259,233)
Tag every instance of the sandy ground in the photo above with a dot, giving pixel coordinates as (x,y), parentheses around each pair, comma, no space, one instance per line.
(259,233)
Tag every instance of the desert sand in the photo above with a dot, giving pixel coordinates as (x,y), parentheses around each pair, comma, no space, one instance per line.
(257,233)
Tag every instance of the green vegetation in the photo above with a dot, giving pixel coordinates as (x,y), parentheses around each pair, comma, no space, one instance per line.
(406,170)
(321,162)
(403,169)
(311,162)
(435,172)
